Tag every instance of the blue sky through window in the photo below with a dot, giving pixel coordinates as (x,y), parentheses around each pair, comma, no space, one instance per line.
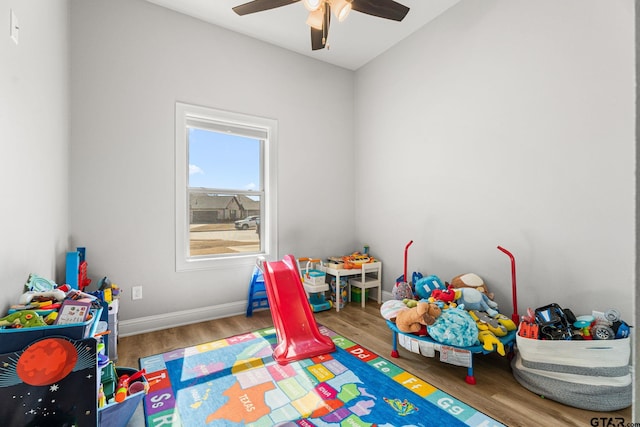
(219,160)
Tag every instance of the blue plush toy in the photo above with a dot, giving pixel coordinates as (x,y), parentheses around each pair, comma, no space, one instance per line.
(472,299)
(454,327)
(426,285)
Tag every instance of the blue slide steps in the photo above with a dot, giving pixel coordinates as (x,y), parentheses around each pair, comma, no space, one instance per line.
(257,292)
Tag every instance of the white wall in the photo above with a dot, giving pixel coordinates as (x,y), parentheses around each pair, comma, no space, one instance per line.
(506,122)
(131,61)
(34,144)
(511,123)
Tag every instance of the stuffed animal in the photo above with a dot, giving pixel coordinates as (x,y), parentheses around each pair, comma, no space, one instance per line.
(490,342)
(489,329)
(472,299)
(470,280)
(23,319)
(454,327)
(413,319)
(426,285)
(402,290)
(390,309)
(486,323)
(444,298)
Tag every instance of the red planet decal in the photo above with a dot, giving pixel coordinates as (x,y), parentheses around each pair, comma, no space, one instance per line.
(46,362)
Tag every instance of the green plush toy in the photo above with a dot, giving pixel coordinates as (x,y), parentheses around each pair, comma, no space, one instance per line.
(23,319)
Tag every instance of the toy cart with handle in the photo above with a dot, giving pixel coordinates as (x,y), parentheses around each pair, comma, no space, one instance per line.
(459,356)
(314,283)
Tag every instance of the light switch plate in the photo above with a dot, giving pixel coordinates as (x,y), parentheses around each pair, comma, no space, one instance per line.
(15,27)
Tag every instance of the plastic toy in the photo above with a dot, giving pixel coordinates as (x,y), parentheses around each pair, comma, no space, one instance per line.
(313,281)
(297,330)
(123,384)
(620,328)
(29,296)
(319,302)
(76,269)
(39,283)
(584,325)
(528,330)
(555,323)
(102,400)
(413,319)
(107,290)
(355,260)
(23,319)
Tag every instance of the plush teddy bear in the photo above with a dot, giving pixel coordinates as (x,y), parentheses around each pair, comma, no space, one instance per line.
(414,319)
(470,280)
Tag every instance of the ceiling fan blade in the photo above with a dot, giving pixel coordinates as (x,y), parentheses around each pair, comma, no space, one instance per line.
(316,39)
(260,5)
(319,37)
(387,9)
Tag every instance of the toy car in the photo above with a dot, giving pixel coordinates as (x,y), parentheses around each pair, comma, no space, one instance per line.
(555,323)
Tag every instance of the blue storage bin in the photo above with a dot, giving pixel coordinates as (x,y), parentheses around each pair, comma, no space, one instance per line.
(119,414)
(12,339)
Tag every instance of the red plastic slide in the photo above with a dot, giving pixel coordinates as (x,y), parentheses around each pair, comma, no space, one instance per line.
(296,328)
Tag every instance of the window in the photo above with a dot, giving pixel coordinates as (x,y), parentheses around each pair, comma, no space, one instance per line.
(225,187)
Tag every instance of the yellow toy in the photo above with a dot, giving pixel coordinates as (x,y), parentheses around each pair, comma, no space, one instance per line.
(489,341)
(490,328)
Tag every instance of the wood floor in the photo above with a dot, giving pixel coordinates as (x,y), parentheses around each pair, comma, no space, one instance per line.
(496,393)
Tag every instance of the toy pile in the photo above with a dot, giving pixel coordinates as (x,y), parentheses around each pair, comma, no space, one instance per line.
(45,303)
(581,361)
(552,322)
(461,313)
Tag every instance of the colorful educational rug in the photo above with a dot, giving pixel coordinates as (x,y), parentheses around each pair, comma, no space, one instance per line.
(236,382)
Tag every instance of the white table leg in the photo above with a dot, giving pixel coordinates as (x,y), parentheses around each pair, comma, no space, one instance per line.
(338,292)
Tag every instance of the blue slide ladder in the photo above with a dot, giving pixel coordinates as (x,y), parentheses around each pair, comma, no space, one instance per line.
(257,292)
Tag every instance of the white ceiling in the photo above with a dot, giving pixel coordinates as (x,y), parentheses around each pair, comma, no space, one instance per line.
(352,43)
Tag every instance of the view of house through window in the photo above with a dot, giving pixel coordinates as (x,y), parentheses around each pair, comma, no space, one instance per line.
(224,202)
(224,193)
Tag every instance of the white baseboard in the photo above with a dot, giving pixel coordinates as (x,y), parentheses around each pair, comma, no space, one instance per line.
(158,322)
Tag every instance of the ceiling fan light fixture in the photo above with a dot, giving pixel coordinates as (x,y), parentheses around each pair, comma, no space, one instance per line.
(314,20)
(341,9)
(312,5)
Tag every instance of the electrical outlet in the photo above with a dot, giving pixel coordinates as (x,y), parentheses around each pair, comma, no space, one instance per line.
(136,292)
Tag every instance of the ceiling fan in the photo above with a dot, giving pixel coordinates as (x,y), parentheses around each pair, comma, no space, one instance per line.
(320,13)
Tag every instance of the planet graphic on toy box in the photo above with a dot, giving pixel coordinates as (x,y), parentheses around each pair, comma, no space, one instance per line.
(46,361)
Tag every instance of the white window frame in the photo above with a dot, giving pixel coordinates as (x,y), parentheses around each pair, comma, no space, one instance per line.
(186,113)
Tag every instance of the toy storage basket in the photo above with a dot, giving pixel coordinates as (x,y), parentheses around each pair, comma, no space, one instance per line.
(17,339)
(591,374)
(314,276)
(119,414)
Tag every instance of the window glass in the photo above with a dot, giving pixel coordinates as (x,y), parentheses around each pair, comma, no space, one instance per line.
(225,188)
